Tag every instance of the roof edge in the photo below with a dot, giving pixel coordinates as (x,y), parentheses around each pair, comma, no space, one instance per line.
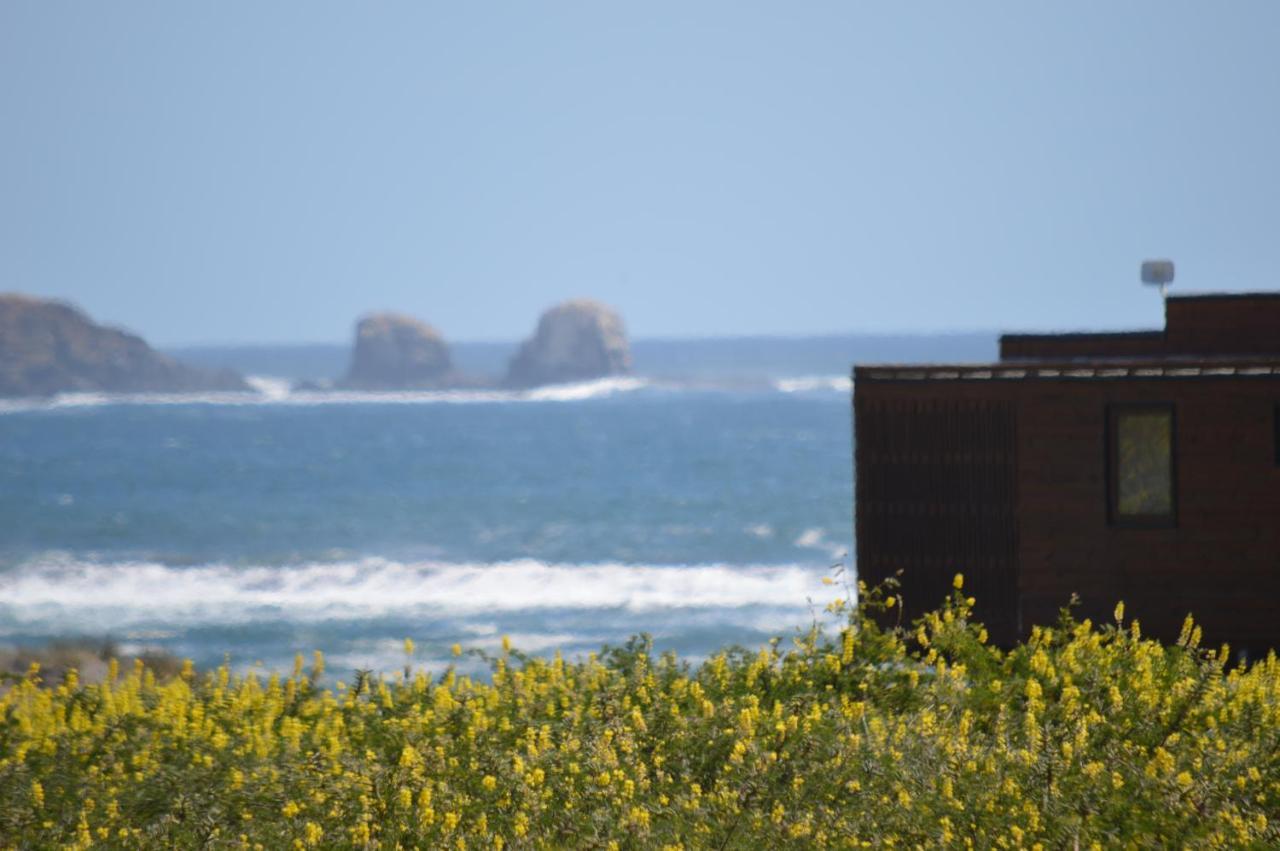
(1085,335)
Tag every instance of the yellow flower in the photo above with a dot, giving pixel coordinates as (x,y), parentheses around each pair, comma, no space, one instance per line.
(855,718)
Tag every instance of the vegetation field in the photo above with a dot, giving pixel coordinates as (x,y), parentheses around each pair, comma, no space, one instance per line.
(848,735)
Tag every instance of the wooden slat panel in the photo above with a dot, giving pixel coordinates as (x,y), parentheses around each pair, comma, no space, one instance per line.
(936,495)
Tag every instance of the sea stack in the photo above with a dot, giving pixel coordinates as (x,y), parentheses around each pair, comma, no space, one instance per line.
(396,352)
(575,341)
(49,347)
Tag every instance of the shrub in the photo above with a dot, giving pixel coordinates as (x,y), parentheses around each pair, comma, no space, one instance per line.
(857,735)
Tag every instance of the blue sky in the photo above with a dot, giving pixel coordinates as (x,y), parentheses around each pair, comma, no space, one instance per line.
(265,172)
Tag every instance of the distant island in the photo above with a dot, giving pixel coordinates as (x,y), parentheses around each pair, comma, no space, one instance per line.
(49,347)
(45,349)
(578,340)
(397,352)
(575,341)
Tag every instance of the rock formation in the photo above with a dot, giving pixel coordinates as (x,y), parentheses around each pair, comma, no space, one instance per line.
(395,352)
(49,347)
(575,341)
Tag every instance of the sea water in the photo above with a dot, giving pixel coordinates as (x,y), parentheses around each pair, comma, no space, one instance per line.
(256,526)
(567,519)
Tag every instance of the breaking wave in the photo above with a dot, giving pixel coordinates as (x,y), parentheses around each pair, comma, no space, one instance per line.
(816,539)
(815,384)
(88,593)
(268,390)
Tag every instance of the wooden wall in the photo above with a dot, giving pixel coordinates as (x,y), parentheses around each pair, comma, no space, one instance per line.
(1221,560)
(1040,346)
(936,497)
(1223,324)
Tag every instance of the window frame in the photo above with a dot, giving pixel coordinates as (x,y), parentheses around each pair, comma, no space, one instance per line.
(1114,411)
(1275,434)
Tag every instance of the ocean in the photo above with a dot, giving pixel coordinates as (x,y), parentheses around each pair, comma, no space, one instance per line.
(701,501)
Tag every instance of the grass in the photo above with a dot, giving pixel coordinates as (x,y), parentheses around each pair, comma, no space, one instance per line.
(849,735)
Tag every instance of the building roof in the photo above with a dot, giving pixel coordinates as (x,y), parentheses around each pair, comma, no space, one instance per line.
(1073,370)
(1196,325)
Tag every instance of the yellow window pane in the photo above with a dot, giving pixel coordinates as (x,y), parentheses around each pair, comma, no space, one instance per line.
(1144,461)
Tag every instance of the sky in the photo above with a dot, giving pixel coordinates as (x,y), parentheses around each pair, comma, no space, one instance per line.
(267,172)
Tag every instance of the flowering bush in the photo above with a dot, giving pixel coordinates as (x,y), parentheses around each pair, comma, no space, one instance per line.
(859,735)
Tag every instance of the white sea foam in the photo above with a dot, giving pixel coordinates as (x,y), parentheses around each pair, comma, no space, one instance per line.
(814,383)
(816,539)
(128,594)
(584,389)
(275,391)
(269,386)
(270,390)
(538,642)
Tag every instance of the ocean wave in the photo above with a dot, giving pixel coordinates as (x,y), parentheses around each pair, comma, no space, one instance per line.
(123,595)
(573,392)
(387,654)
(270,386)
(814,384)
(270,390)
(816,539)
(275,391)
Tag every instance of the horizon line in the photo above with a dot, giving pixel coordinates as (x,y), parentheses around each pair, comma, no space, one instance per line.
(830,335)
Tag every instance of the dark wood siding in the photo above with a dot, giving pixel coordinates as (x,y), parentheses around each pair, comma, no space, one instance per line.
(1223,324)
(1040,346)
(936,496)
(934,464)
(1220,562)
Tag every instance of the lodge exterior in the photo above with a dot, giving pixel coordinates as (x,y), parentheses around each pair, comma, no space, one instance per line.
(1142,467)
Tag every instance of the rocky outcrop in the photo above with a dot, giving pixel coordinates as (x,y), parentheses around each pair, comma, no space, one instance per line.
(395,352)
(49,347)
(575,341)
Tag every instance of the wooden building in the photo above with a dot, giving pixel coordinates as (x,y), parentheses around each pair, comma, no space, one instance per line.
(1142,467)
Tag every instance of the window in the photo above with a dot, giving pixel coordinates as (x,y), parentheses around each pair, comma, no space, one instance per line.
(1141,471)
